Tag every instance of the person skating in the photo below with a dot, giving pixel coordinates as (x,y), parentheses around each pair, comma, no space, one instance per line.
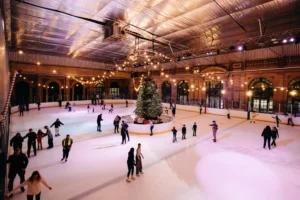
(290,119)
(21,109)
(116,124)
(126,102)
(123,134)
(253,116)
(31,142)
(50,137)
(67,104)
(39,138)
(66,144)
(174,111)
(200,109)
(88,108)
(151,127)
(18,163)
(171,105)
(38,103)
(194,129)
(130,165)
(267,133)
(17,141)
(174,131)
(99,119)
(275,135)
(126,129)
(56,125)
(214,130)
(277,120)
(111,109)
(183,130)
(228,113)
(138,159)
(33,186)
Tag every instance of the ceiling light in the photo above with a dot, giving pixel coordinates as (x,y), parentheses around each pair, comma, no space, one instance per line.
(284,41)
(38,63)
(292,39)
(20,52)
(54,71)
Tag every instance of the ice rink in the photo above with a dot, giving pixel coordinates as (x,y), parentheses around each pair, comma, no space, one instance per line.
(237,167)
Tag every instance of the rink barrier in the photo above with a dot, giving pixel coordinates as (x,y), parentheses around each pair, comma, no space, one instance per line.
(214,111)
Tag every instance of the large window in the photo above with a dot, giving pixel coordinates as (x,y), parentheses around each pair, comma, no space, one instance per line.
(261,99)
(114,90)
(293,103)
(183,92)
(100,90)
(166,89)
(53,92)
(214,97)
(78,91)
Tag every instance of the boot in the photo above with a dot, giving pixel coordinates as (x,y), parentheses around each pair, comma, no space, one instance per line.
(132,178)
(128,180)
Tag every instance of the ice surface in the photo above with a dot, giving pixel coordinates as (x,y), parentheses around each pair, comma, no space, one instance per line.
(234,168)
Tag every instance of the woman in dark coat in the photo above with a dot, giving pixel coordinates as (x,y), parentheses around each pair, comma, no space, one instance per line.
(275,135)
(267,133)
(123,134)
(130,165)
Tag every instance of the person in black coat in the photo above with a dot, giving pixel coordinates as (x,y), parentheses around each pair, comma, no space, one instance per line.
(38,103)
(174,134)
(21,109)
(275,135)
(174,111)
(116,124)
(200,109)
(99,119)
(17,141)
(277,120)
(267,133)
(183,130)
(126,129)
(130,165)
(123,134)
(31,141)
(18,163)
(194,129)
(56,125)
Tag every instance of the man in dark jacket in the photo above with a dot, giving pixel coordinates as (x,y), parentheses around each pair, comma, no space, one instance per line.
(174,111)
(99,119)
(194,129)
(174,134)
(31,141)
(126,129)
(21,109)
(183,130)
(267,133)
(57,124)
(18,163)
(16,141)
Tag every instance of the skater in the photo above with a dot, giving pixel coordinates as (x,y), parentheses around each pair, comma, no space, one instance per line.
(138,159)
(126,102)
(277,120)
(66,144)
(39,138)
(57,124)
(151,127)
(93,108)
(171,105)
(275,135)
(126,129)
(27,105)
(200,109)
(116,124)
(18,163)
(174,134)
(267,133)
(33,186)
(253,116)
(290,119)
(123,134)
(214,130)
(31,142)
(50,137)
(67,104)
(38,103)
(88,108)
(99,119)
(17,141)
(174,111)
(228,113)
(74,107)
(59,103)
(21,109)
(130,165)
(166,110)
(183,130)
(111,110)
(194,129)
(70,108)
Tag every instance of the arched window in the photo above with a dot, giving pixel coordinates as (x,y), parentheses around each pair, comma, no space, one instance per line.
(100,90)
(53,92)
(214,97)
(166,90)
(78,91)
(183,92)
(261,99)
(22,92)
(114,90)
(293,103)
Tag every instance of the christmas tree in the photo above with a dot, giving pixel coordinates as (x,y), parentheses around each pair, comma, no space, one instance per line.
(148,104)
